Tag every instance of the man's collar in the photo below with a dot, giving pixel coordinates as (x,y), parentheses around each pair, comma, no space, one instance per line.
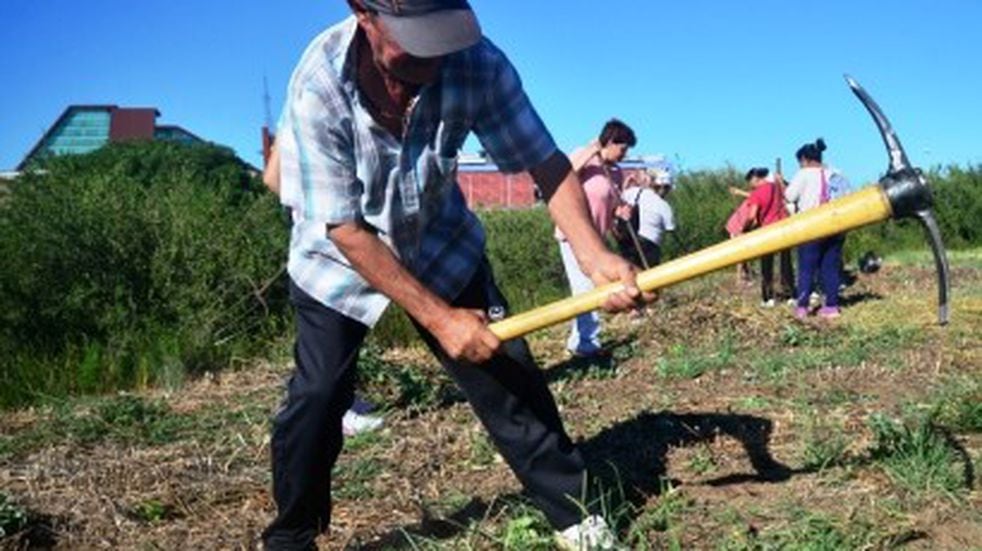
(345,60)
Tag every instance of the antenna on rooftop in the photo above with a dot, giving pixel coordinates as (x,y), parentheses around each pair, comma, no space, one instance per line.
(266,103)
(268,134)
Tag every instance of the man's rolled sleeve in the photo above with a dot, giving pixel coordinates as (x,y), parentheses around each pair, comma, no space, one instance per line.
(508,126)
(324,158)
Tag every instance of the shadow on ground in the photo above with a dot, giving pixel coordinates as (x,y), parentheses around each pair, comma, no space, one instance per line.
(634,453)
(631,455)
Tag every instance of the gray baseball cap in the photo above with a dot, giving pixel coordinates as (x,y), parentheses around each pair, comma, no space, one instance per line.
(428,28)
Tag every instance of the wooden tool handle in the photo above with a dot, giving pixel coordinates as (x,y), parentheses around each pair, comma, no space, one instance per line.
(862,208)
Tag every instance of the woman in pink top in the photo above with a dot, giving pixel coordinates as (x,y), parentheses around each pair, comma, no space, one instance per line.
(596,165)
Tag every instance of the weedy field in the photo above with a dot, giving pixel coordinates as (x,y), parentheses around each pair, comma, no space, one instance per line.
(714,425)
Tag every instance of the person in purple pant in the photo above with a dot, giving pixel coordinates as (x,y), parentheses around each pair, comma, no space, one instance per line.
(808,189)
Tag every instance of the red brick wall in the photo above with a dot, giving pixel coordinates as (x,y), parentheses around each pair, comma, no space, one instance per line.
(498,190)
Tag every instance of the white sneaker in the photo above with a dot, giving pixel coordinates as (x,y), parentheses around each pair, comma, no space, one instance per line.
(767,303)
(356,423)
(592,534)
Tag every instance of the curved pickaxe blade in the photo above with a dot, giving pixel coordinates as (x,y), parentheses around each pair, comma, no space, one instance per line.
(908,193)
(898,158)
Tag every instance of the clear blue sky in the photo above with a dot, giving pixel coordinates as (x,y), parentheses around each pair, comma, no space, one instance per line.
(708,83)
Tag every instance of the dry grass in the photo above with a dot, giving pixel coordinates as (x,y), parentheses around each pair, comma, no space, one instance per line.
(727,401)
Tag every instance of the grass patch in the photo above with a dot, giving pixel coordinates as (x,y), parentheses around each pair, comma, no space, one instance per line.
(702,462)
(681,362)
(753,403)
(528,530)
(13,517)
(825,446)
(967,258)
(807,532)
(917,457)
(403,386)
(136,421)
(483,452)
(124,418)
(659,527)
(353,478)
(152,511)
(958,405)
(805,348)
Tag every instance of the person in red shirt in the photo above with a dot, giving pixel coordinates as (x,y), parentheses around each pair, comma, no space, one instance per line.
(766,206)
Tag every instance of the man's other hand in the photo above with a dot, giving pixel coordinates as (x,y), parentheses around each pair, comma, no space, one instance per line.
(611,268)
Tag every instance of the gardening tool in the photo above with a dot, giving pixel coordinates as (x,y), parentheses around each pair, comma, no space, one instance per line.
(634,236)
(902,193)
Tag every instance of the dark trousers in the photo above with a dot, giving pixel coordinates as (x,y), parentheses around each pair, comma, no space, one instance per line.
(767,276)
(823,258)
(508,393)
(650,249)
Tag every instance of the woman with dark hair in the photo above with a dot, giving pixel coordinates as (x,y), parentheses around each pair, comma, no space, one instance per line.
(766,206)
(808,189)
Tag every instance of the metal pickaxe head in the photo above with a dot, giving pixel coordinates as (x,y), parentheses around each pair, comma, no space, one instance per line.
(908,194)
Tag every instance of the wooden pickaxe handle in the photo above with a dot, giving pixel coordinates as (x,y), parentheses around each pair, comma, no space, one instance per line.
(902,193)
(865,207)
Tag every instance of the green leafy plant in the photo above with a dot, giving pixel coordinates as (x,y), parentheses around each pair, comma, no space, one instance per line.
(127,265)
(151,511)
(528,531)
(916,456)
(825,446)
(13,517)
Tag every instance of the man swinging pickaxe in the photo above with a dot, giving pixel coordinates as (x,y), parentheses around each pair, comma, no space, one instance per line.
(902,193)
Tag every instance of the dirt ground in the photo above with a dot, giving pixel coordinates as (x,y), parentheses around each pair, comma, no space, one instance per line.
(717,424)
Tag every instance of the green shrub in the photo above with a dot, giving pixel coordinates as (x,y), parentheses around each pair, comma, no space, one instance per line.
(702,203)
(13,517)
(133,262)
(141,263)
(957,206)
(916,456)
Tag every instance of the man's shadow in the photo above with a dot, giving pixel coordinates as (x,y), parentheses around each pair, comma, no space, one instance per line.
(631,455)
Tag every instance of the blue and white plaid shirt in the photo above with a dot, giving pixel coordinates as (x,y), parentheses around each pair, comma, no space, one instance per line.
(338,166)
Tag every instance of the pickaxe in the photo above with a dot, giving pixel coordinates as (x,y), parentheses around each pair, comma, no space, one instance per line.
(901,193)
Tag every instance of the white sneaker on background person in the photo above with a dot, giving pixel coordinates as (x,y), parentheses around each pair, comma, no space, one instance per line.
(354,423)
(592,534)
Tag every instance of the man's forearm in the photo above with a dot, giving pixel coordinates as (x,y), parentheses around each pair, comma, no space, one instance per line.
(375,262)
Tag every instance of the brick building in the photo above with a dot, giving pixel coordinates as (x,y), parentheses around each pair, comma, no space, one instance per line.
(484,186)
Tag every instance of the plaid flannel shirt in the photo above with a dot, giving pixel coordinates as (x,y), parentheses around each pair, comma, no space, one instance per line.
(339,166)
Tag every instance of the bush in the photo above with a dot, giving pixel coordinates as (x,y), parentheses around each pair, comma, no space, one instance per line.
(131,263)
(140,263)
(702,203)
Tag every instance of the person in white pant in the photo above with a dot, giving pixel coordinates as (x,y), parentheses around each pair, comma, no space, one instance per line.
(596,165)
